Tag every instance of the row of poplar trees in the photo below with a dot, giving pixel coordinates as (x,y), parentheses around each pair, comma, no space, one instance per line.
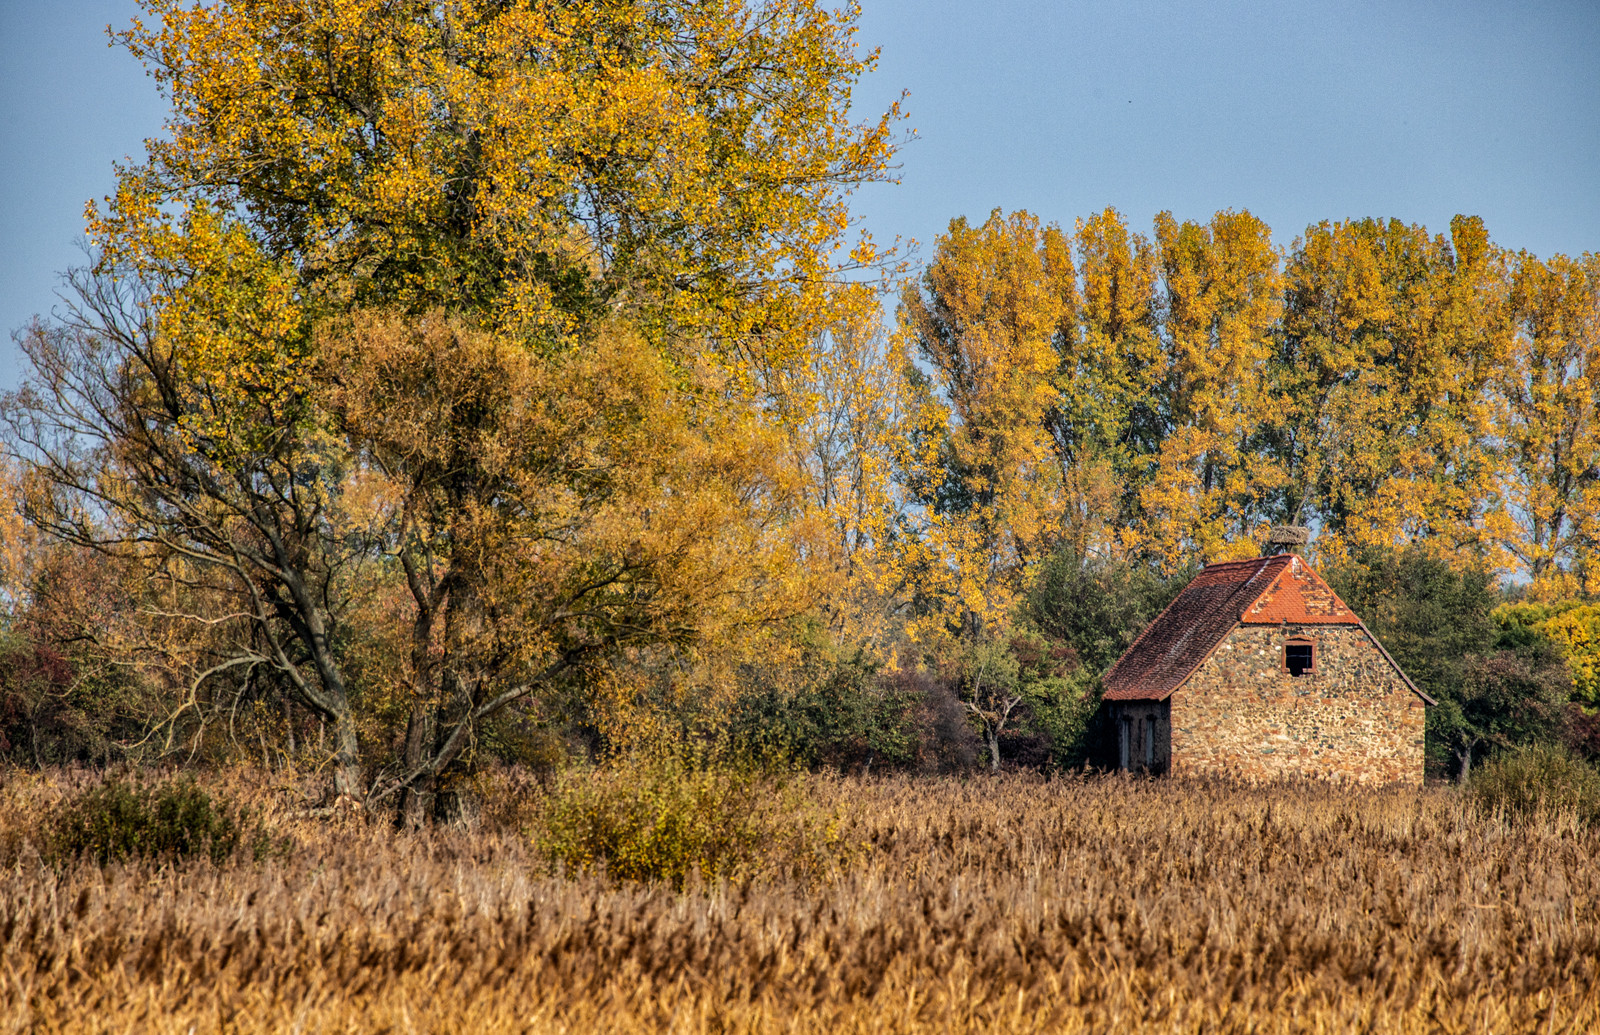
(449,361)
(1167,396)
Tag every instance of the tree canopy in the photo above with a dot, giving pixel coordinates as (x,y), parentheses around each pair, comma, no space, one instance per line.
(445,367)
(437,352)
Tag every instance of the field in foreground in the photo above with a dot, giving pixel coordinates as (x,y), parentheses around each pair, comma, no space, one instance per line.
(1006,904)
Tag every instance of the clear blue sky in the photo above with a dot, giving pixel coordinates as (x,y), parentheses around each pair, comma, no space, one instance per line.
(1298,110)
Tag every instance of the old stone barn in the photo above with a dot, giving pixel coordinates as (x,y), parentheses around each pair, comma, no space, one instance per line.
(1259,670)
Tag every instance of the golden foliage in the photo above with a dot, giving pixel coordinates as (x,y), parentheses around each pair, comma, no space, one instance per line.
(1573,627)
(537,161)
(575,483)
(1549,423)
(1385,385)
(1220,298)
(19,541)
(505,303)
(549,511)
(1394,336)
(986,478)
(1106,421)
(844,453)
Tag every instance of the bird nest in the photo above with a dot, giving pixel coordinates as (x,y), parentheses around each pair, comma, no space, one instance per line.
(1288,535)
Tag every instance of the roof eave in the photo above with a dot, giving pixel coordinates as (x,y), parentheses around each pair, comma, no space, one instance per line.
(1263,562)
(1192,670)
(1358,623)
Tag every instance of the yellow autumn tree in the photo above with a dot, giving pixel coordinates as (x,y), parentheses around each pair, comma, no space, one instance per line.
(535,162)
(1549,424)
(1220,296)
(1390,338)
(1334,344)
(1576,629)
(18,543)
(630,507)
(844,452)
(640,199)
(984,479)
(1105,422)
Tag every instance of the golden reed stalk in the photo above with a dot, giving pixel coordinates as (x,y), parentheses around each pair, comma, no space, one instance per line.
(1009,904)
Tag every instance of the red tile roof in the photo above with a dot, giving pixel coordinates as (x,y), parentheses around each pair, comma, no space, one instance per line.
(1298,594)
(1261,590)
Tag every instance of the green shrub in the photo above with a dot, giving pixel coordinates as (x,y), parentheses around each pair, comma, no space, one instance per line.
(1537,781)
(847,716)
(670,815)
(1097,606)
(119,820)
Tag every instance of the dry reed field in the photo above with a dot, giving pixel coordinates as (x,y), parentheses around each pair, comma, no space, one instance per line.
(1008,904)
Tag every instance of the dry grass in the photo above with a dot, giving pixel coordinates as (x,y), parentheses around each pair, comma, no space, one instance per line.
(992,905)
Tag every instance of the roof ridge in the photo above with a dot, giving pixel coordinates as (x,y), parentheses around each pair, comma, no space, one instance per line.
(1248,560)
(1190,628)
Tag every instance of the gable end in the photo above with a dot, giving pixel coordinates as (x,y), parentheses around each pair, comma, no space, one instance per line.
(1263,591)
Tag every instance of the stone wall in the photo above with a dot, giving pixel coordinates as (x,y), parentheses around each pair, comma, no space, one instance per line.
(1352,718)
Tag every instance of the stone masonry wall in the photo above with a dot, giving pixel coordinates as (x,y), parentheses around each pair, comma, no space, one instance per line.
(1352,718)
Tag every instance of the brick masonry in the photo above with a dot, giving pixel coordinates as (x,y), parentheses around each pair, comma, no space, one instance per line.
(1242,714)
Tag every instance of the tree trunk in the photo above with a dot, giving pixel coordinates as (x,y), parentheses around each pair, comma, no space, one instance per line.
(416,800)
(447,744)
(346,756)
(1464,760)
(288,725)
(994,751)
(461,681)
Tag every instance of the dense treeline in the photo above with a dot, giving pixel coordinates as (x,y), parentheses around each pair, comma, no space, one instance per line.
(1424,403)
(1165,397)
(499,381)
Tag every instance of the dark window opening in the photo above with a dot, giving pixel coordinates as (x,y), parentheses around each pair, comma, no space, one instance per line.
(1149,742)
(1298,658)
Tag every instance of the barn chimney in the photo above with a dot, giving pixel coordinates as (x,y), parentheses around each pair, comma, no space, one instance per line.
(1285,539)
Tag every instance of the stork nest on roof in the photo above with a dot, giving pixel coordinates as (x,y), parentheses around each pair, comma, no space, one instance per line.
(1284,538)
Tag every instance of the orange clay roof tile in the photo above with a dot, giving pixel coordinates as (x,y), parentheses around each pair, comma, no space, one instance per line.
(1261,590)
